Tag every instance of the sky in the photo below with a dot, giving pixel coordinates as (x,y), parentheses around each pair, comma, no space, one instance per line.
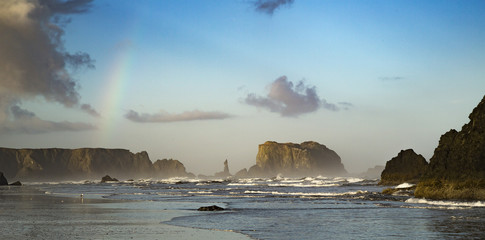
(204,81)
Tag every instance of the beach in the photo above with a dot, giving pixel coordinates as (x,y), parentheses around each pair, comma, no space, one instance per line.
(27,213)
(260,208)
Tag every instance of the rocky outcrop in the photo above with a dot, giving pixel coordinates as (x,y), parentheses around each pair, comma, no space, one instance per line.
(210,208)
(107,178)
(243,173)
(59,164)
(457,168)
(305,159)
(167,168)
(407,166)
(257,171)
(372,173)
(17,183)
(225,173)
(3,180)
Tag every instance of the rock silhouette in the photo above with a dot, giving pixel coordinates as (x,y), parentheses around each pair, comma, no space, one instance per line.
(457,168)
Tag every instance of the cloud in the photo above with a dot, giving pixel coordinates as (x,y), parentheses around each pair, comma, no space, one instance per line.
(346,105)
(27,122)
(395,78)
(167,117)
(269,6)
(88,109)
(33,60)
(290,100)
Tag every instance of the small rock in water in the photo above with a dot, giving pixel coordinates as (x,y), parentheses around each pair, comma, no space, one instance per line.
(17,183)
(3,180)
(210,208)
(107,178)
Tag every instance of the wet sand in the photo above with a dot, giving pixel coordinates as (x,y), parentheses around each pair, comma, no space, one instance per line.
(26,213)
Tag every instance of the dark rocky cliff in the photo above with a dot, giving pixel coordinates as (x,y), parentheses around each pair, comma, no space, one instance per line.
(308,158)
(457,168)
(407,166)
(56,163)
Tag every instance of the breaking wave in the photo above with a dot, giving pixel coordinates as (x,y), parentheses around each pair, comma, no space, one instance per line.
(446,204)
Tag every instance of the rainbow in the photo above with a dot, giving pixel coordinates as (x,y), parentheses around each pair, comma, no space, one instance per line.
(118,78)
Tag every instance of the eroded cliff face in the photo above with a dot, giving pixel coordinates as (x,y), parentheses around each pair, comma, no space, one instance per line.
(82,163)
(308,158)
(457,168)
(407,166)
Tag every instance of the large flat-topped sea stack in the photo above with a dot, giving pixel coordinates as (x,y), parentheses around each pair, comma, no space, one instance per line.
(305,159)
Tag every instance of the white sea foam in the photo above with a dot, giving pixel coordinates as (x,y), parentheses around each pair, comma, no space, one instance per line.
(324,194)
(303,185)
(404,185)
(354,180)
(446,203)
(242,184)
(60,182)
(175,180)
(200,192)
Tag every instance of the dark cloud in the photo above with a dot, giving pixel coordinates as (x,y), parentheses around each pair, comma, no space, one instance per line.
(167,117)
(290,100)
(25,121)
(33,60)
(68,6)
(90,110)
(19,113)
(269,6)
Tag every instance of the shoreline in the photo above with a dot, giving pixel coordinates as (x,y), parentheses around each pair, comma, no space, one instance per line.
(28,212)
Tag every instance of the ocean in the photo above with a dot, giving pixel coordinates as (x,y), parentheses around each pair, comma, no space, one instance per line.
(256,208)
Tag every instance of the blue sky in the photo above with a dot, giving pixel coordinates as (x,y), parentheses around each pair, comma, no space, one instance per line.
(383,75)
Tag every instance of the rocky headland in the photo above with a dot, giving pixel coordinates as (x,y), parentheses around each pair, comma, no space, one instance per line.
(457,168)
(290,159)
(70,164)
(407,166)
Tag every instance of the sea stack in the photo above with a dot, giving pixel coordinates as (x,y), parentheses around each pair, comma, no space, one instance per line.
(407,166)
(457,168)
(167,168)
(225,173)
(305,159)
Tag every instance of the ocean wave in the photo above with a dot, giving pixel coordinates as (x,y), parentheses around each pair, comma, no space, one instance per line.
(446,203)
(354,180)
(318,194)
(303,185)
(200,192)
(404,185)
